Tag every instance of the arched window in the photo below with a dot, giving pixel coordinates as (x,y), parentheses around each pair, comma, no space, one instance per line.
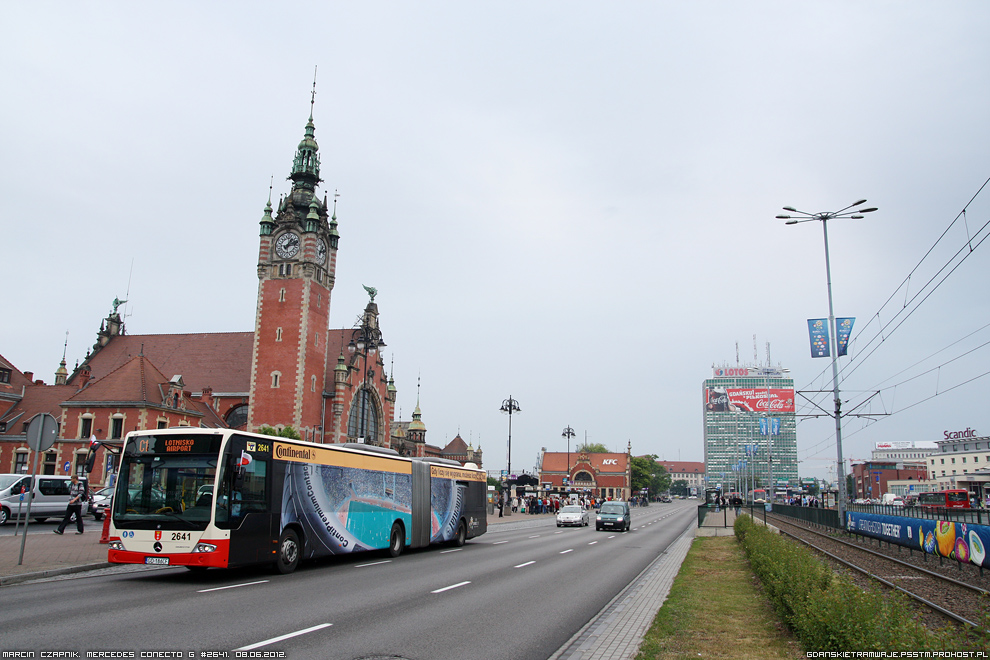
(363,420)
(237,417)
(583,476)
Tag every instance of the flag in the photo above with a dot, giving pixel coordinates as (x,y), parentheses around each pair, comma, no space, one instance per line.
(842,329)
(818,330)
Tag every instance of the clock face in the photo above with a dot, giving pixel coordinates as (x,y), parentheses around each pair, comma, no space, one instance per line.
(321,252)
(287,245)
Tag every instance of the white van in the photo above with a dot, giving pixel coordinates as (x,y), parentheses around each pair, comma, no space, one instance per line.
(51,496)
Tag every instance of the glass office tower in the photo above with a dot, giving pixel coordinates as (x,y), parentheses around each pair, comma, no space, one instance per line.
(749,424)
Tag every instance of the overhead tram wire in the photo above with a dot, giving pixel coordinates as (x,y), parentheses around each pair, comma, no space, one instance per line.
(855,362)
(965,250)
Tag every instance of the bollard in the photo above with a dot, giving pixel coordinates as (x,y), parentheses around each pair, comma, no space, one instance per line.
(105,537)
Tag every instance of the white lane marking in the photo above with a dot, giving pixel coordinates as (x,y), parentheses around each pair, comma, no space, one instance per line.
(374,563)
(535,536)
(453,586)
(231,586)
(593,542)
(499,542)
(564,552)
(443,552)
(526,564)
(611,537)
(558,532)
(284,637)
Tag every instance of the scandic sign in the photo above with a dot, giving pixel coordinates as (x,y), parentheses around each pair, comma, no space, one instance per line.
(721,399)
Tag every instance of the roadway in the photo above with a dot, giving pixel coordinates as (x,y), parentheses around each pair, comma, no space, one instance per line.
(518,592)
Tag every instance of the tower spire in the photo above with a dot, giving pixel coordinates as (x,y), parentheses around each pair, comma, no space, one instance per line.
(306,164)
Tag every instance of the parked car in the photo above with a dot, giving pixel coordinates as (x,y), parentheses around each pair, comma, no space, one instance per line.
(613,515)
(99,502)
(51,496)
(572,515)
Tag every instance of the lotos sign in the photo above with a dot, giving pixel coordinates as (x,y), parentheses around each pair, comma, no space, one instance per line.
(959,435)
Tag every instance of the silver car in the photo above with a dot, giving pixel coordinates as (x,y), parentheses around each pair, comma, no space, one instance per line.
(572,515)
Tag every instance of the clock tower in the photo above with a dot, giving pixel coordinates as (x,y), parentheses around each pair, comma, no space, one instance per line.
(296,262)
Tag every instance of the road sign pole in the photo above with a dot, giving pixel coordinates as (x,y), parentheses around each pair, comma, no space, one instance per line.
(41,434)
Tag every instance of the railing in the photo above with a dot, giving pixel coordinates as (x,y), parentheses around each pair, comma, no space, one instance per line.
(977,516)
(709,516)
(814,515)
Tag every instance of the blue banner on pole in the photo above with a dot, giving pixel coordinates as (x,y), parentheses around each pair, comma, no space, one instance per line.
(843,327)
(769,426)
(818,330)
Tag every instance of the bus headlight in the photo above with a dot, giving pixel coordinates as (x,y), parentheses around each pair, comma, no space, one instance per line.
(204,547)
(116,545)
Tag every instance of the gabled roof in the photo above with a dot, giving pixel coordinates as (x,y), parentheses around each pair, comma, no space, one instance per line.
(220,360)
(457,446)
(136,382)
(556,461)
(683,466)
(37,399)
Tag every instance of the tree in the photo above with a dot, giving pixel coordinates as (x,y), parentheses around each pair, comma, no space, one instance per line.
(648,473)
(592,448)
(492,481)
(286,432)
(679,487)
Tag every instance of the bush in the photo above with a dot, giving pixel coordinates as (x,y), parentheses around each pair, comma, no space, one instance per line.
(827,612)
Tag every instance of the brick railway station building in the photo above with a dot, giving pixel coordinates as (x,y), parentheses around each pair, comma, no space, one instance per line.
(330,385)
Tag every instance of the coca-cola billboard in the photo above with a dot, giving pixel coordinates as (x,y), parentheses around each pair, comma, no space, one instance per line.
(732,399)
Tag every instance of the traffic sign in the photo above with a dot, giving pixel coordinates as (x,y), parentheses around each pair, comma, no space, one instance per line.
(42,432)
(67,466)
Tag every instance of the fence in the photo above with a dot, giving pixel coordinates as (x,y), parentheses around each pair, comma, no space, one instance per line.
(710,516)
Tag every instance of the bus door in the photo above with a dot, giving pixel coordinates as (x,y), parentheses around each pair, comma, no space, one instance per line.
(244,502)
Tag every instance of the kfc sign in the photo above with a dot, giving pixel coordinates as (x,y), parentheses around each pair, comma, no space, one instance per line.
(610,461)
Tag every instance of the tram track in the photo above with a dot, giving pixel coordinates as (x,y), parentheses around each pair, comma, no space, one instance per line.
(941,597)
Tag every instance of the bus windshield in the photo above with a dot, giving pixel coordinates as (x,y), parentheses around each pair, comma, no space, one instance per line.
(173,491)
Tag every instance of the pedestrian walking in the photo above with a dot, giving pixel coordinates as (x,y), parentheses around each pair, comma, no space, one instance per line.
(77,495)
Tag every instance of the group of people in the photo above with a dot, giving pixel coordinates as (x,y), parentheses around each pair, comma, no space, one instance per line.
(536,505)
(723,502)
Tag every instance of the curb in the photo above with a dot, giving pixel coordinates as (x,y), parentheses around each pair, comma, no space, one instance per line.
(6,580)
(572,648)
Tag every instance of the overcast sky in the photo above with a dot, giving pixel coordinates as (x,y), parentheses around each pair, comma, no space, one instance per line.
(569,203)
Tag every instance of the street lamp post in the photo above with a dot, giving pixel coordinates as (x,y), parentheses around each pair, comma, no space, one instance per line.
(510,406)
(568,433)
(853,213)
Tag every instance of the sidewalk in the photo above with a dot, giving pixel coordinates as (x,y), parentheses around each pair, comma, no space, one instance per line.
(47,554)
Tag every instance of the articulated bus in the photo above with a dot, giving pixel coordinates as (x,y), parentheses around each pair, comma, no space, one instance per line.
(947,499)
(205,498)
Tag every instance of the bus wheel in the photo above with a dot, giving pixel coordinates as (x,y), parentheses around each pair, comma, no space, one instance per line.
(289,552)
(396,540)
(461,536)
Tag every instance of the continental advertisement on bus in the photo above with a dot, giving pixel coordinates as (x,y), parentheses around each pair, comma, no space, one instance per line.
(346,502)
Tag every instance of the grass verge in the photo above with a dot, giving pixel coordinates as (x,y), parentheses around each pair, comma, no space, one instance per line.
(715,609)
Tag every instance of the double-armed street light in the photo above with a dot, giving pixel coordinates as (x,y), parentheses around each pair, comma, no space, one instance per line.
(509,406)
(568,433)
(853,213)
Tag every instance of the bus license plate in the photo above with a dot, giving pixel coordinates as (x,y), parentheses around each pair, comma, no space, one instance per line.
(156,560)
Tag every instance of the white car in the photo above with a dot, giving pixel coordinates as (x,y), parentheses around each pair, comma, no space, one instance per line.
(572,515)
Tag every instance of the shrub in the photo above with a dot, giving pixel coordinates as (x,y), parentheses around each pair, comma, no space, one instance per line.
(827,612)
